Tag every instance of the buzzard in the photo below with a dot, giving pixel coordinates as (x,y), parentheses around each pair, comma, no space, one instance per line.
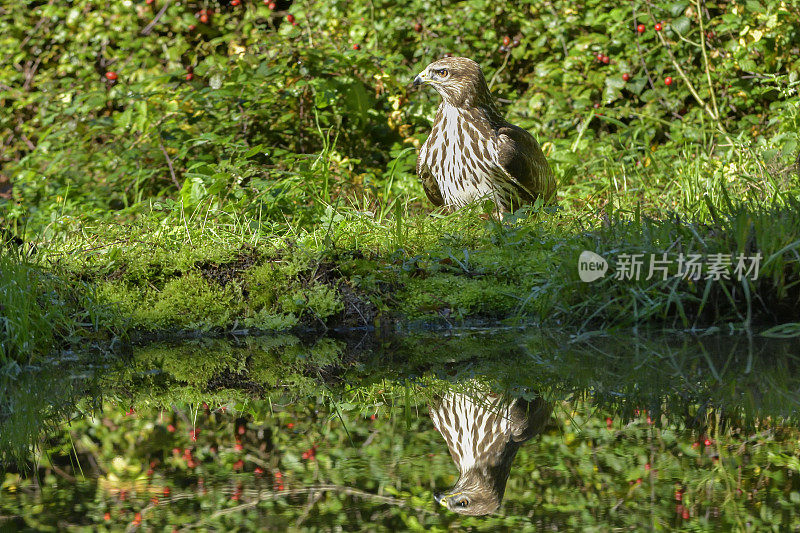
(483,434)
(472,153)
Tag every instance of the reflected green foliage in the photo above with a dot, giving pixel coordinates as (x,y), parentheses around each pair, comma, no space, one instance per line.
(305,465)
(648,432)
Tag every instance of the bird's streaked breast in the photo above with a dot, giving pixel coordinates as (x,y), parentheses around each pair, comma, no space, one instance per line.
(462,156)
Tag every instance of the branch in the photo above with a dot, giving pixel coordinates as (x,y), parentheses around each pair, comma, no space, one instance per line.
(147,29)
(169,163)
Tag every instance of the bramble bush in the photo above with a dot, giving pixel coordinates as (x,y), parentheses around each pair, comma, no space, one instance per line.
(280,109)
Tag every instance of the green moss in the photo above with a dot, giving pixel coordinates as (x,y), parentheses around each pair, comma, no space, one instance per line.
(191,363)
(462,296)
(187,301)
(321,300)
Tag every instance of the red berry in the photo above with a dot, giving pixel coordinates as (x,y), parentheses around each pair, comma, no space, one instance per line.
(668,80)
(107,516)
(678,496)
(658,26)
(189,77)
(647,466)
(356,46)
(238,465)
(707,442)
(609,422)
(204,18)
(417,27)
(641,28)
(506,40)
(626,77)
(596,105)
(639,481)
(290,18)
(272,5)
(137,518)
(166,491)
(154,500)
(685,514)
(171,428)
(235,2)
(258,471)
(290,425)
(148,2)
(605,59)
(599,56)
(192,27)
(150,472)
(111,75)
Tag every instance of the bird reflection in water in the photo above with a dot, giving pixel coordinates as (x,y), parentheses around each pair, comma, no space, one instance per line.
(484,432)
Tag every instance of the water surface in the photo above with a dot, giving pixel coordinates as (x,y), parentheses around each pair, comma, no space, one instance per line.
(545,432)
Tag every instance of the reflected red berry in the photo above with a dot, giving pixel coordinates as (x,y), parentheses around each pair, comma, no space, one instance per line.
(668,80)
(235,2)
(641,28)
(658,26)
(626,77)
(290,18)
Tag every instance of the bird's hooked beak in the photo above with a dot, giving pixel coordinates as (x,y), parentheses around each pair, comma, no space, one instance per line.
(421,79)
(440,498)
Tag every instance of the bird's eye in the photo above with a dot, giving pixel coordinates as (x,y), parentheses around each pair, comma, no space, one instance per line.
(443,72)
(462,503)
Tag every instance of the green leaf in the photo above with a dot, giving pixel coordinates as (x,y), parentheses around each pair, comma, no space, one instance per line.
(681,25)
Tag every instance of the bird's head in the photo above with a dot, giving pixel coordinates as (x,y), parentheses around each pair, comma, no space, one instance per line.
(475,493)
(458,80)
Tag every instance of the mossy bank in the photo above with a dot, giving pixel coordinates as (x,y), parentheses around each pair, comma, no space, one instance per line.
(175,274)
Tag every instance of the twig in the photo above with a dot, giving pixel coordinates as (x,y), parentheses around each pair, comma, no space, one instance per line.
(147,29)
(639,48)
(498,71)
(705,57)
(169,163)
(688,82)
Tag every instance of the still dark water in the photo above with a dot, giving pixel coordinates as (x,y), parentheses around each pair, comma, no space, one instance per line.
(481,430)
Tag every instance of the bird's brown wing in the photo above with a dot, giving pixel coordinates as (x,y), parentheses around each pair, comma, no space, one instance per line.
(428,181)
(528,418)
(522,158)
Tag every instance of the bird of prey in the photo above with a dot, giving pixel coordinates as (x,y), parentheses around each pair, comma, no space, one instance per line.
(483,433)
(472,153)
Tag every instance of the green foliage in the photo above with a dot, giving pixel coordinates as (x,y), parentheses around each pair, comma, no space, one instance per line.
(279,120)
(40,313)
